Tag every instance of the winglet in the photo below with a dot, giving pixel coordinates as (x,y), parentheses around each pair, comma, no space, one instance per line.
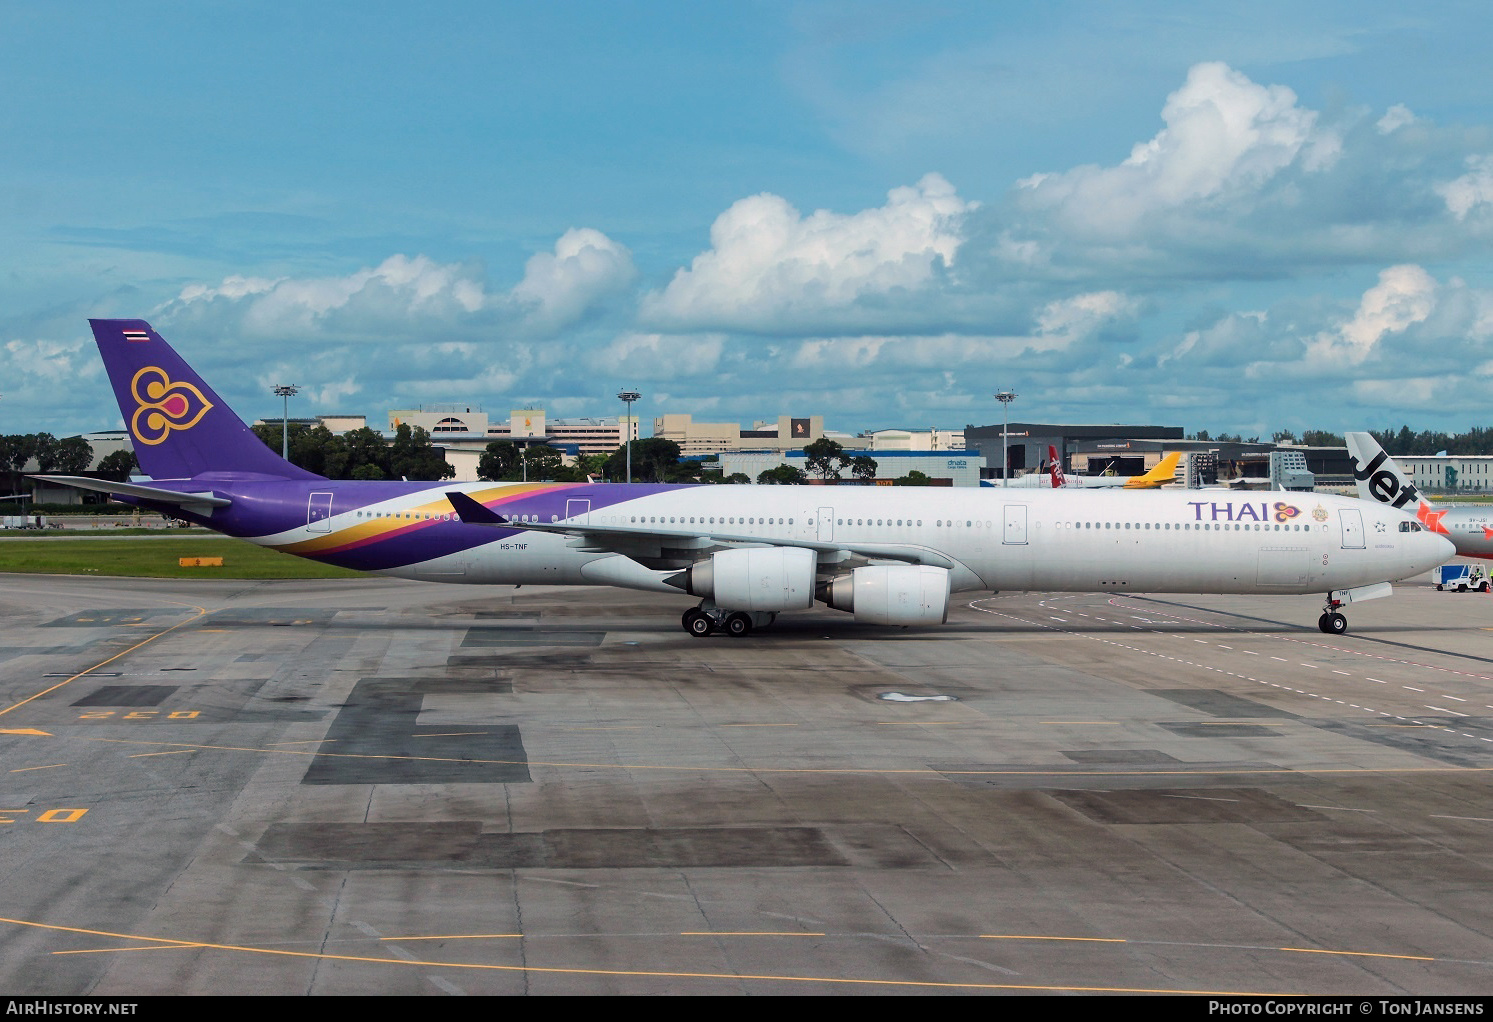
(471,512)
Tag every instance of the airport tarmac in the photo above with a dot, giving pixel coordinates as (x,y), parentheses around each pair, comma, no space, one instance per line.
(389,787)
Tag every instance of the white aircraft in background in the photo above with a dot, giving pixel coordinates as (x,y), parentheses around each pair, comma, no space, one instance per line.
(1469,528)
(889,556)
(1164,472)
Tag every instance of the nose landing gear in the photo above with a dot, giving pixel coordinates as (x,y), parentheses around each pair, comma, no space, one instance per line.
(1332,621)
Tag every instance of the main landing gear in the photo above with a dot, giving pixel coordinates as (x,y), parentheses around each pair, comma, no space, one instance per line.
(1332,621)
(705,619)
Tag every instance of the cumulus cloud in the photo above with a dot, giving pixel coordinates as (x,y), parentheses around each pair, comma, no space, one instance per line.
(1224,135)
(47,362)
(1404,296)
(1395,118)
(393,291)
(1061,326)
(563,285)
(653,356)
(1471,189)
(768,264)
(558,289)
(1062,322)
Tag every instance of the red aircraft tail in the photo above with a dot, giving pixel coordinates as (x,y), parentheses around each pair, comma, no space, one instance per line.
(1055,466)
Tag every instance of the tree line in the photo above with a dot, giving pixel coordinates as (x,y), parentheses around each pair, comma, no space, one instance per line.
(361,453)
(1398,443)
(69,456)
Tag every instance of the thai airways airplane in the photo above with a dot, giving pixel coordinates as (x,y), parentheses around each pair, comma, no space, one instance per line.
(1164,471)
(887,556)
(1469,528)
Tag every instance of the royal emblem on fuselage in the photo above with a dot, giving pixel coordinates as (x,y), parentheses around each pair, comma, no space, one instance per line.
(1319,513)
(163,406)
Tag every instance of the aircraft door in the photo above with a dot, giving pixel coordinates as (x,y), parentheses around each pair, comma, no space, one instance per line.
(1015,525)
(578,510)
(319,513)
(1352,529)
(826,523)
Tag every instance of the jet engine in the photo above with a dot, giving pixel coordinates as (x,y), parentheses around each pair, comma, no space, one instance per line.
(904,594)
(757,578)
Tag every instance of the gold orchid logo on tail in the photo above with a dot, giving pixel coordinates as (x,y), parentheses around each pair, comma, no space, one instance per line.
(163,406)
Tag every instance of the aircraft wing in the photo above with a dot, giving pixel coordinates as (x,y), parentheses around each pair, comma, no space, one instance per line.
(646,544)
(202,503)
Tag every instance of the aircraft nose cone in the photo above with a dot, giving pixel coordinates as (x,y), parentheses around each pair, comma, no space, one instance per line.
(1439,551)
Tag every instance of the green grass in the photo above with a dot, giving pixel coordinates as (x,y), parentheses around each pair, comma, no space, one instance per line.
(157,558)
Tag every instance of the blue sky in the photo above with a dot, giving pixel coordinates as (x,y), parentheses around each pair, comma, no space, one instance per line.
(1224,217)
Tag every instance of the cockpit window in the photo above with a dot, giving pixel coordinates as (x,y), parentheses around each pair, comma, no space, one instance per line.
(1411,527)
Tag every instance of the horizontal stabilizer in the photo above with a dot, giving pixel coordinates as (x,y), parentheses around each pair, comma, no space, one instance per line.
(473,513)
(191,501)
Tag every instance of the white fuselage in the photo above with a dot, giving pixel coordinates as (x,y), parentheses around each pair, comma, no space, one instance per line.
(1180,541)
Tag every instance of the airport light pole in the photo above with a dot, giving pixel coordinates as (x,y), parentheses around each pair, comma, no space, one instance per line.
(286,391)
(627,397)
(1005,397)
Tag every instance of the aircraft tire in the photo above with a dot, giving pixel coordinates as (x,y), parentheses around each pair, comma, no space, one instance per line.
(698,623)
(1336,624)
(738,624)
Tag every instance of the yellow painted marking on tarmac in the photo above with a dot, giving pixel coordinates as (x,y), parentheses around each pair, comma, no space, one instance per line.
(919,723)
(1355,954)
(1473,819)
(49,766)
(173,752)
(312,741)
(1031,936)
(24,731)
(152,947)
(461,936)
(167,943)
(452,734)
(201,612)
(640,973)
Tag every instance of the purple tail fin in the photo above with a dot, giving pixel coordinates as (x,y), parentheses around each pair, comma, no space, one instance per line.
(180,428)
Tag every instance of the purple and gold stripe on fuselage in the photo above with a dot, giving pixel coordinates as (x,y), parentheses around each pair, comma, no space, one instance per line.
(401,535)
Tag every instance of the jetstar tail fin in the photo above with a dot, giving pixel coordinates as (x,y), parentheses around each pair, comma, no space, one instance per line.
(1380,479)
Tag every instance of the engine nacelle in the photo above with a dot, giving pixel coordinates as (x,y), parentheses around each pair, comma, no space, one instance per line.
(757,578)
(902,594)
